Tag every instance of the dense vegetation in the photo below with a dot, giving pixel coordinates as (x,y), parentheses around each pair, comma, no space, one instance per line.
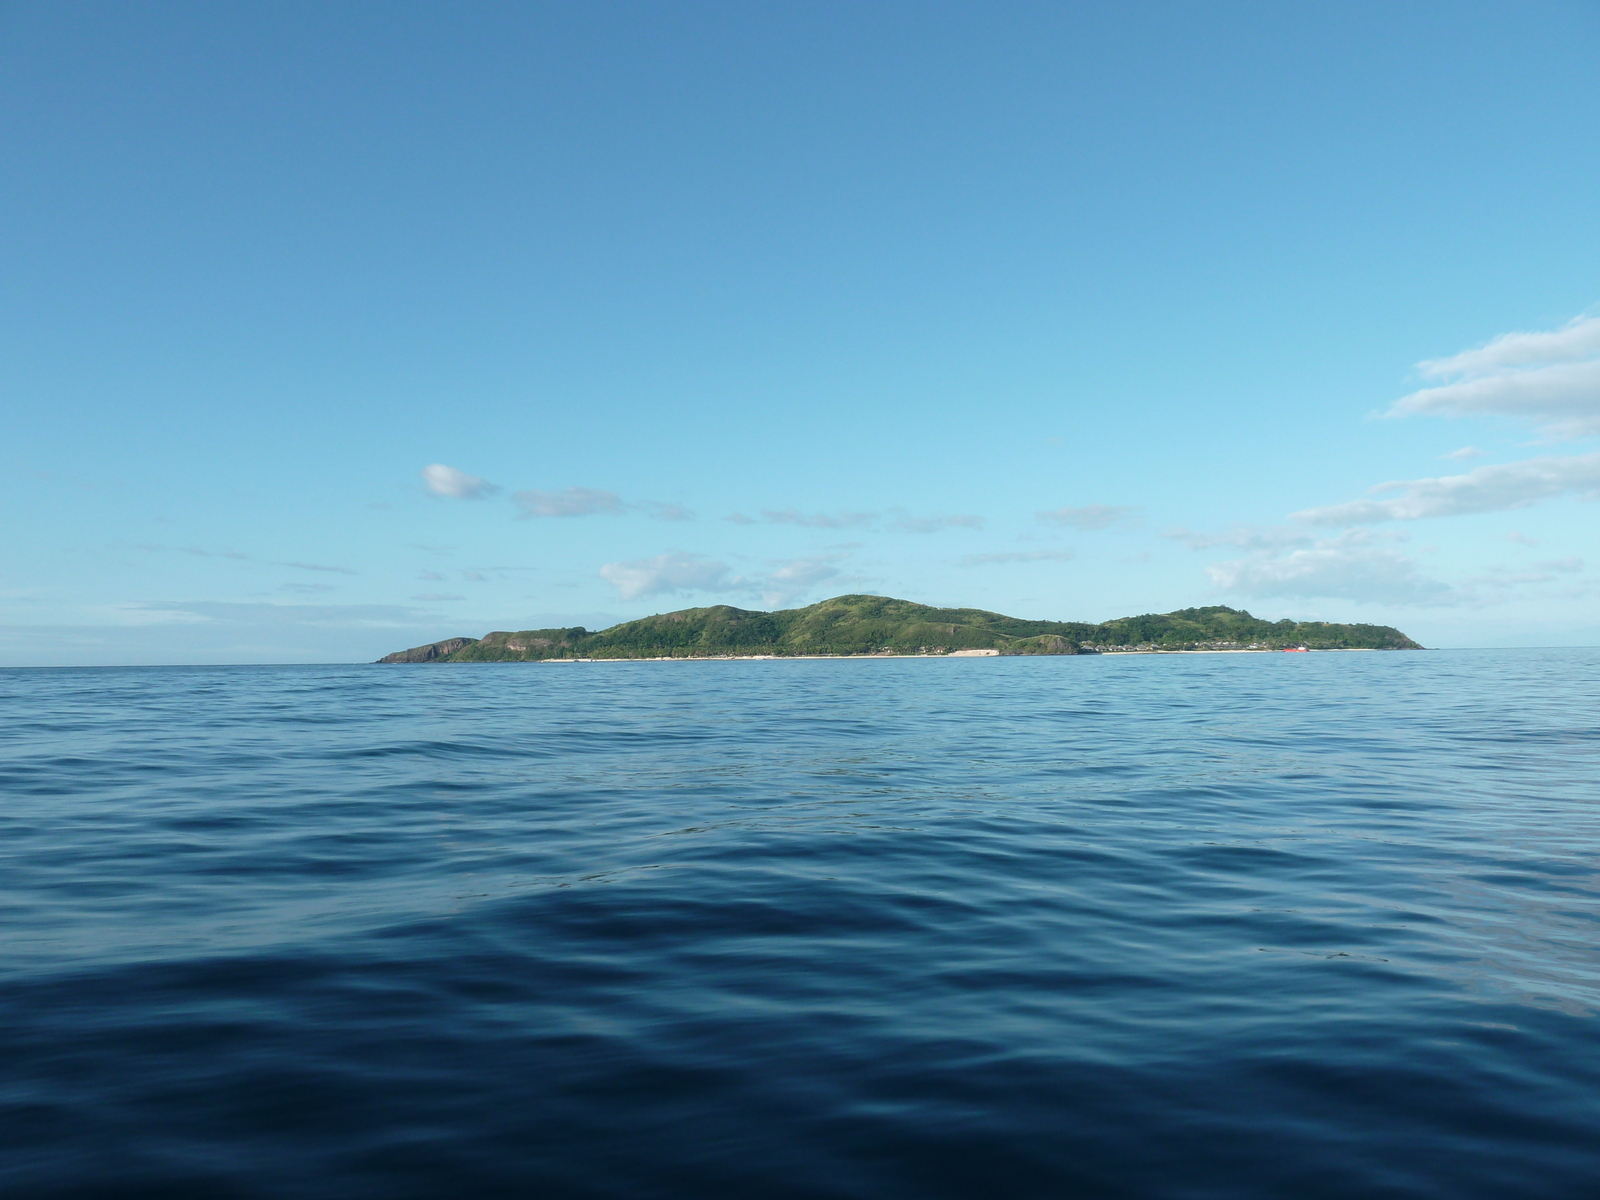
(1217,625)
(880,625)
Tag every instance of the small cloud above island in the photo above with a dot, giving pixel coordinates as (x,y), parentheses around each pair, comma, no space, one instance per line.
(794,579)
(677,572)
(665,574)
(451,484)
(1351,566)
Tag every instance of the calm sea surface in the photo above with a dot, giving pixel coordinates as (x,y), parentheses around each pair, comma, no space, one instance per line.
(1223,926)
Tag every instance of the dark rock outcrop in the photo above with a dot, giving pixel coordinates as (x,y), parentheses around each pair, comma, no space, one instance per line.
(432,652)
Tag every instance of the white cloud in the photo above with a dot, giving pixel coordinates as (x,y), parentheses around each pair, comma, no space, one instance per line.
(906,523)
(455,485)
(1090,516)
(794,579)
(1551,379)
(1016,556)
(679,572)
(573,502)
(1487,489)
(1351,566)
(1464,453)
(666,573)
(1578,338)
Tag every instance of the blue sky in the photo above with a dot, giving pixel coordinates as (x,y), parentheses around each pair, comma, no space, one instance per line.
(332,329)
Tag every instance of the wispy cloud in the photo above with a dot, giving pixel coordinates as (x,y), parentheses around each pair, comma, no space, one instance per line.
(1578,339)
(1551,379)
(194,550)
(906,523)
(276,614)
(1016,556)
(1090,516)
(1501,579)
(1464,453)
(1571,563)
(455,485)
(199,553)
(903,521)
(1487,489)
(669,512)
(794,579)
(678,572)
(301,566)
(790,516)
(1351,566)
(572,502)
(666,573)
(1246,537)
(437,596)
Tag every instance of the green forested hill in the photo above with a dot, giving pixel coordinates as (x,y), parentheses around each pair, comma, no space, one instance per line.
(1218,624)
(879,625)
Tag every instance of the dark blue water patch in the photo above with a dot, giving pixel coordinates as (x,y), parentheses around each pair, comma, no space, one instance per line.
(1220,926)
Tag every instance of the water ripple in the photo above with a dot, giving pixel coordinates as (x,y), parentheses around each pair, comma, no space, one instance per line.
(1209,926)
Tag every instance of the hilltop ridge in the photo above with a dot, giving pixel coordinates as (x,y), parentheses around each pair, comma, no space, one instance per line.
(879,625)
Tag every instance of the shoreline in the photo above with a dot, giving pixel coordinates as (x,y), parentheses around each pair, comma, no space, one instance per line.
(953,654)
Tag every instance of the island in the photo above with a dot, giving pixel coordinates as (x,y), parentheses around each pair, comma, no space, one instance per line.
(878,626)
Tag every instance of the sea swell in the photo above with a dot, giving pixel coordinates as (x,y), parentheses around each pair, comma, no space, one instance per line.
(1214,926)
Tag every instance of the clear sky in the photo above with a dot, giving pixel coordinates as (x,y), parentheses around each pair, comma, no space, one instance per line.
(331,329)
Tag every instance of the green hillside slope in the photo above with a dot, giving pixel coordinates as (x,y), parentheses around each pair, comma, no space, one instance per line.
(880,625)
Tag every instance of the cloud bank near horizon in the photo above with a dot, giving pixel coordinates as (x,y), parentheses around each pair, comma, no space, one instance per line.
(1351,566)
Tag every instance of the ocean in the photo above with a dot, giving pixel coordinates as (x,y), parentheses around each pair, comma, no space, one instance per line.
(1175,926)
